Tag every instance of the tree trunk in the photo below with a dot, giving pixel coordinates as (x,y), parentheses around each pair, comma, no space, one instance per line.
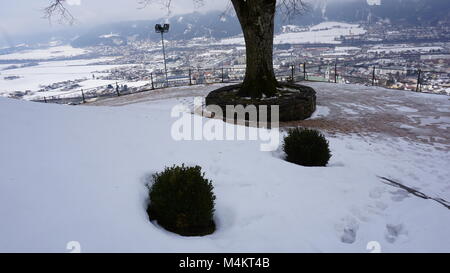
(257,21)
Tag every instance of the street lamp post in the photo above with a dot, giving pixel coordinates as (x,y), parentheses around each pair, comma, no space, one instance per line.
(163,29)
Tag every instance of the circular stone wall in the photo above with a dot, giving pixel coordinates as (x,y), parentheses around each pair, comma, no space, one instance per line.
(296,102)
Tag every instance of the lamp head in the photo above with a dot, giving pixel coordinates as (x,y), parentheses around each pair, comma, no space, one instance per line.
(162,28)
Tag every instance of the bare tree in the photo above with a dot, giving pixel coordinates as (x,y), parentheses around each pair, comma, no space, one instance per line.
(257,19)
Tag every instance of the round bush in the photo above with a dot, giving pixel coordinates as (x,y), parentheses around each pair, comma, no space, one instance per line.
(182,201)
(306,147)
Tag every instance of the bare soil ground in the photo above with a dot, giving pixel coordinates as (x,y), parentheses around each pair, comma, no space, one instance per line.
(367,110)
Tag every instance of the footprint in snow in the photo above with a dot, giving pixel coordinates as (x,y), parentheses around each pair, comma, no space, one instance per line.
(349,236)
(399,195)
(348,229)
(376,193)
(393,232)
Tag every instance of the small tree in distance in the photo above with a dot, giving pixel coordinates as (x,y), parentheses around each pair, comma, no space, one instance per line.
(257,19)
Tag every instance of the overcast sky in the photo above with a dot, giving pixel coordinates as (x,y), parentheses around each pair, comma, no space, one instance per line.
(20,17)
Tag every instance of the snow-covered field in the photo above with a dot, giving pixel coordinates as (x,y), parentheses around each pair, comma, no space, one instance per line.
(325,32)
(43,70)
(31,78)
(47,53)
(403,48)
(34,78)
(79,174)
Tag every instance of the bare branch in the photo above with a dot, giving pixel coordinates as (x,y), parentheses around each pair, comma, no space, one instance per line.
(57,8)
(228,10)
(291,8)
(167,4)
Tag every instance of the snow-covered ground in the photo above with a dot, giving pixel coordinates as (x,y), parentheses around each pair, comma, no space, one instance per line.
(403,48)
(29,71)
(33,78)
(47,53)
(47,73)
(78,173)
(326,32)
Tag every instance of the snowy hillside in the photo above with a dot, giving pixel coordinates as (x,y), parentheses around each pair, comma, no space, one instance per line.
(36,77)
(78,173)
(326,32)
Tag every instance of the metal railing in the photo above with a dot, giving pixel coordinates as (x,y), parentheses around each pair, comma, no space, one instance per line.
(409,79)
(395,78)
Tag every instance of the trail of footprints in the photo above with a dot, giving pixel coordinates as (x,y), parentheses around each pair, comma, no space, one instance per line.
(347,229)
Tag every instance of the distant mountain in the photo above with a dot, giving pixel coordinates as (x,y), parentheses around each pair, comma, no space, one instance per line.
(404,12)
(212,24)
(217,25)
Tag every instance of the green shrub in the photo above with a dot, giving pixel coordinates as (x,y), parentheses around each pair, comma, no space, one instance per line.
(306,147)
(182,201)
